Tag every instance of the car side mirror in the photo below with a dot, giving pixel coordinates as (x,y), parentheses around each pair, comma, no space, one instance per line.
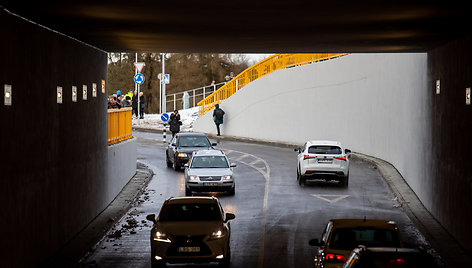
(151,217)
(298,150)
(173,144)
(186,165)
(232,165)
(214,144)
(315,243)
(347,151)
(229,216)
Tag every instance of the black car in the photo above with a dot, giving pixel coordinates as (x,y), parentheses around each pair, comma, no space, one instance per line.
(182,146)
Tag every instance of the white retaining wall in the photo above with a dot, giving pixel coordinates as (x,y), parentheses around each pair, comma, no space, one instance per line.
(375,104)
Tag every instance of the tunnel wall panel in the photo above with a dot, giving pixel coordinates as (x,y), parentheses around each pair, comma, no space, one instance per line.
(54,170)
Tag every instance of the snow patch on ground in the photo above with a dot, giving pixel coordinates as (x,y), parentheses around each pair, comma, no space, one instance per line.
(153,121)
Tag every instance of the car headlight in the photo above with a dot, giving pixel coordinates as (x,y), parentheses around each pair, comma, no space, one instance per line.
(193,178)
(217,234)
(161,237)
(182,155)
(227,177)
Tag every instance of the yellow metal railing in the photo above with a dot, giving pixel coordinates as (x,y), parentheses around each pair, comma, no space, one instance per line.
(258,70)
(119,125)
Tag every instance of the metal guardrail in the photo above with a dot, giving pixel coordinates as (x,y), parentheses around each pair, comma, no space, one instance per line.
(195,95)
(119,125)
(258,70)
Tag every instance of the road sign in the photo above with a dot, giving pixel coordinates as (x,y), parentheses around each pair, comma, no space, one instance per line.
(166,79)
(139,78)
(165,117)
(139,66)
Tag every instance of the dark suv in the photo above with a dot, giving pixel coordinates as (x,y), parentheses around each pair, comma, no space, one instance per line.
(182,146)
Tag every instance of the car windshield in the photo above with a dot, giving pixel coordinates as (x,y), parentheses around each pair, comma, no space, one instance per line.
(193,141)
(190,212)
(349,238)
(324,149)
(209,162)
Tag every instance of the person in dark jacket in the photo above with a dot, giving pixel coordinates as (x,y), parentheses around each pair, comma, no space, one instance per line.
(142,102)
(218,117)
(175,123)
(134,101)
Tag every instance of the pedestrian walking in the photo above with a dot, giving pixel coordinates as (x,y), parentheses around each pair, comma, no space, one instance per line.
(218,117)
(141,105)
(134,102)
(175,123)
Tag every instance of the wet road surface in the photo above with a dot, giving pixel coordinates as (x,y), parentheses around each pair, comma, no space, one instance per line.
(275,217)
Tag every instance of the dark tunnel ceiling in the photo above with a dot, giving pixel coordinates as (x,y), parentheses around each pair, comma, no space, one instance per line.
(252,26)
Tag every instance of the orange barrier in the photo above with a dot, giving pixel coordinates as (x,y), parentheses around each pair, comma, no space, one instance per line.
(119,125)
(260,69)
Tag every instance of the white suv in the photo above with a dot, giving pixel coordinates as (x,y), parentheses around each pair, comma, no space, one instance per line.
(325,160)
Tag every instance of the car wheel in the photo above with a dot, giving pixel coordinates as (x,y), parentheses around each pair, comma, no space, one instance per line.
(344,182)
(232,191)
(188,192)
(302,181)
(226,262)
(169,164)
(157,264)
(176,165)
(298,176)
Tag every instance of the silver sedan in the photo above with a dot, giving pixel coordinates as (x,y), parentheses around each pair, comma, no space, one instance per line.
(209,171)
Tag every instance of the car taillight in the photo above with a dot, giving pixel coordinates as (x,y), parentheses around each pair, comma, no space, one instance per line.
(397,261)
(340,158)
(335,258)
(308,157)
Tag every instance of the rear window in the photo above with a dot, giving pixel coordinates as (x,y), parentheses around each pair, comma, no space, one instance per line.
(190,212)
(347,238)
(324,149)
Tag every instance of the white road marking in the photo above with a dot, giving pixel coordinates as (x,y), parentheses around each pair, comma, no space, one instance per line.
(331,198)
(265,171)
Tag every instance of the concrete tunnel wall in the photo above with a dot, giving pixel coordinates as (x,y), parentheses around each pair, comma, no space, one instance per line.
(376,104)
(57,172)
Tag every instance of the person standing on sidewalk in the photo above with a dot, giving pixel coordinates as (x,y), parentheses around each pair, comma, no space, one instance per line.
(218,117)
(134,101)
(174,123)
(142,103)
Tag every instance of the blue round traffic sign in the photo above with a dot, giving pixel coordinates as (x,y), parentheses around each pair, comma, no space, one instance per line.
(165,117)
(139,79)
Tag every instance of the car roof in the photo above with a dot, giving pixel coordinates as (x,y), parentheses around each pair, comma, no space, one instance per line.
(210,152)
(353,223)
(197,199)
(190,134)
(323,142)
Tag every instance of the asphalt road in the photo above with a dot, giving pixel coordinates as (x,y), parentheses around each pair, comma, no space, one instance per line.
(275,217)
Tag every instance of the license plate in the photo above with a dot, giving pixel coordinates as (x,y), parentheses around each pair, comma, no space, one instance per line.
(210,184)
(189,249)
(325,161)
